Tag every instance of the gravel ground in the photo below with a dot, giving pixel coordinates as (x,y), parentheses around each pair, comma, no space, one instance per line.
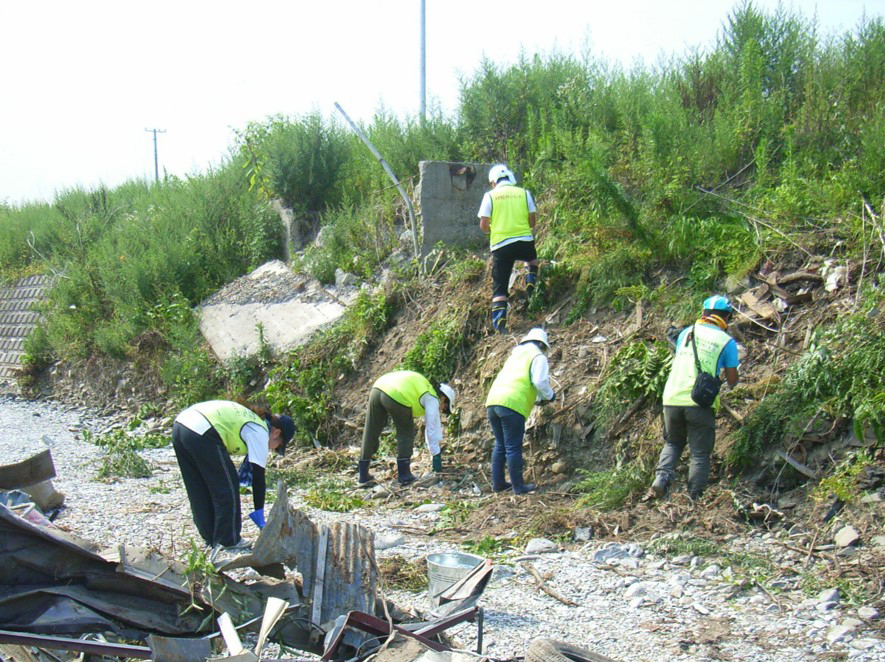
(632,605)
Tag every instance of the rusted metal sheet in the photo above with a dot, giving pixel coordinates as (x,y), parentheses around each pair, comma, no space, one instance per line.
(54,583)
(82,645)
(349,580)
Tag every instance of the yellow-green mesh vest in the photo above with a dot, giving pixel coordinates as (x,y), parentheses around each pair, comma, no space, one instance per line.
(710,340)
(510,214)
(406,387)
(513,386)
(228,419)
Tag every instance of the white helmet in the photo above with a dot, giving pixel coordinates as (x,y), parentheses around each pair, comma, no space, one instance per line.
(449,392)
(501,171)
(538,334)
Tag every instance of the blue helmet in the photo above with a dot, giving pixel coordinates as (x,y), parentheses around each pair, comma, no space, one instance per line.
(717,302)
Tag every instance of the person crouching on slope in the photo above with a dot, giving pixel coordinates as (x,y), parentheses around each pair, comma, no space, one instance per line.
(404,395)
(524,380)
(707,342)
(204,437)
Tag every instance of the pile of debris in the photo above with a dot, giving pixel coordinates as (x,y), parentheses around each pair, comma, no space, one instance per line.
(58,591)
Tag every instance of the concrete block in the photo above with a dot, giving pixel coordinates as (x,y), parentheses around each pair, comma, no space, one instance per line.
(449,195)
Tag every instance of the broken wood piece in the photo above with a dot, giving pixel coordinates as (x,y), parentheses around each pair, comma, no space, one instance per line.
(762,308)
(798,466)
(528,567)
(800,275)
(731,412)
(34,469)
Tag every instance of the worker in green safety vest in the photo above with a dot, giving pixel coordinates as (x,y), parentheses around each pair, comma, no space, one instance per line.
(684,420)
(404,395)
(524,380)
(507,214)
(204,436)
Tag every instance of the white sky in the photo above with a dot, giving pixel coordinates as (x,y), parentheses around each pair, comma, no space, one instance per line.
(82,79)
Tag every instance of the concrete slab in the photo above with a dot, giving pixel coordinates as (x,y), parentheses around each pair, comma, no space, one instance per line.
(449,195)
(289,307)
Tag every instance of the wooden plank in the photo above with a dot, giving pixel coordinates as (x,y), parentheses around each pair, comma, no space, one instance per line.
(316,614)
(798,466)
(35,469)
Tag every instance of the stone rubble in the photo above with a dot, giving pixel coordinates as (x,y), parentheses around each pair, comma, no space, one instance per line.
(633,604)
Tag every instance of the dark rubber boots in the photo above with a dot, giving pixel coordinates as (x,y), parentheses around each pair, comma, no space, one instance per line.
(404,474)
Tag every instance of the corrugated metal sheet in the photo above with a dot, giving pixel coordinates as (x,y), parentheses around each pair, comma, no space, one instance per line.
(350,576)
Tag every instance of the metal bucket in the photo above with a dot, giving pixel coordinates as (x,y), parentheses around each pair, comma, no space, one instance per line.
(444,570)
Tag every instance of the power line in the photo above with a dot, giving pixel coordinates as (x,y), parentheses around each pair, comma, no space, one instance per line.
(156,163)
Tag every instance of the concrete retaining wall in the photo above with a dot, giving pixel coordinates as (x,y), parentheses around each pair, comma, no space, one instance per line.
(449,195)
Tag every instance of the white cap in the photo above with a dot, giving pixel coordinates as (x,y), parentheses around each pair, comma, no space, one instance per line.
(449,392)
(500,171)
(538,334)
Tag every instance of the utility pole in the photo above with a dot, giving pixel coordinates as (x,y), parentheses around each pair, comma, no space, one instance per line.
(156,163)
(423,60)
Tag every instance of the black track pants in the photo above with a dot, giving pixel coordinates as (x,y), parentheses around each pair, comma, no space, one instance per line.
(210,479)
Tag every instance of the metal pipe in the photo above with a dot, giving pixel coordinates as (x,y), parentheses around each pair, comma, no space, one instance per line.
(81,645)
(423,60)
(390,174)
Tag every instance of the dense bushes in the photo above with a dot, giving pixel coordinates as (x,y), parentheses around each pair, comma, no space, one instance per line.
(699,166)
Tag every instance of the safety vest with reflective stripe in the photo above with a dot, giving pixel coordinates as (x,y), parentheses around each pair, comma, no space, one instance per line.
(513,386)
(710,340)
(228,419)
(407,388)
(510,214)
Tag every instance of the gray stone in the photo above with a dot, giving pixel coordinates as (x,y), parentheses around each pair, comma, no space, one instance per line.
(872,497)
(868,613)
(710,572)
(846,536)
(878,541)
(388,540)
(865,644)
(826,606)
(540,546)
(583,533)
(635,590)
(636,602)
(701,609)
(682,559)
(345,279)
(838,633)
(629,563)
(828,595)
(613,551)
(430,508)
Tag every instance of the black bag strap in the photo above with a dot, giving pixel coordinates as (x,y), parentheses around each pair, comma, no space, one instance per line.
(697,361)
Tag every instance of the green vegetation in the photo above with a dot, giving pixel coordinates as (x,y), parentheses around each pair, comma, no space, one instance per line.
(638,369)
(331,495)
(454,515)
(682,544)
(121,458)
(654,184)
(435,351)
(842,482)
(302,383)
(607,490)
(487,546)
(402,574)
(840,374)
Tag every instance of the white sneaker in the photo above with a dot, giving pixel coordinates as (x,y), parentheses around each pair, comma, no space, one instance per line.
(239,546)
